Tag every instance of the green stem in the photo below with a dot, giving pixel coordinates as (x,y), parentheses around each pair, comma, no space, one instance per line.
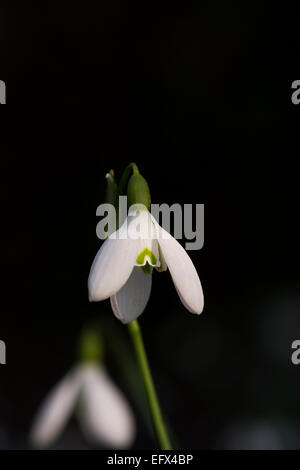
(158,422)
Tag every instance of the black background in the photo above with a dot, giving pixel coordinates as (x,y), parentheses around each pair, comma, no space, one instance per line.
(200,99)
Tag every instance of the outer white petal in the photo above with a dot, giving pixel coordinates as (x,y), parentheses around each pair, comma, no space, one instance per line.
(130,301)
(182,270)
(112,265)
(56,410)
(105,415)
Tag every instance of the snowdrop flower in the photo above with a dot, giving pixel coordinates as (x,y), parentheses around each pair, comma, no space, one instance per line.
(122,268)
(103,412)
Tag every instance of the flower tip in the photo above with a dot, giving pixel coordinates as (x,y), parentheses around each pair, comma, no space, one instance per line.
(110,174)
(91,297)
(196,306)
(200,309)
(94,296)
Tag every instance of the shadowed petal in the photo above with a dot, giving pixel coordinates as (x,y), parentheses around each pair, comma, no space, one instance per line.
(130,301)
(182,270)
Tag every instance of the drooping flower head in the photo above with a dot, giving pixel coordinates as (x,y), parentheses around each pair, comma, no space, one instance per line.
(122,269)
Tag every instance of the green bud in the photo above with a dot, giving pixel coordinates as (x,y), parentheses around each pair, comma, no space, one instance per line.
(91,346)
(138,191)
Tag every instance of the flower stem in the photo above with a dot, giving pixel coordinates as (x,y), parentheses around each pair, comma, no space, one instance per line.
(158,422)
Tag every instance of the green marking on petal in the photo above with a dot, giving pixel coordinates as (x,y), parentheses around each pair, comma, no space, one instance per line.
(147,268)
(160,267)
(146,252)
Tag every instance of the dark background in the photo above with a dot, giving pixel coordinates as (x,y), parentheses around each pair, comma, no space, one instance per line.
(200,99)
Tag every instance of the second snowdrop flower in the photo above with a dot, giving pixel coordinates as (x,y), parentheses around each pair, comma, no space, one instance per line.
(103,412)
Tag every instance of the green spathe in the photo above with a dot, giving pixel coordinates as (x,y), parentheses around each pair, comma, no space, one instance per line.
(111,188)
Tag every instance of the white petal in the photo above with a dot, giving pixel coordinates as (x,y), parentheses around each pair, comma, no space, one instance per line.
(130,301)
(56,410)
(182,270)
(105,414)
(112,265)
(141,226)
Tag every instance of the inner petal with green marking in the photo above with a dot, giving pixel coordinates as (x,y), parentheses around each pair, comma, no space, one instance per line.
(162,264)
(148,255)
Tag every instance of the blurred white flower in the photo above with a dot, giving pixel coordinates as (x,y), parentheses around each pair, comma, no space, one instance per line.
(122,268)
(103,412)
